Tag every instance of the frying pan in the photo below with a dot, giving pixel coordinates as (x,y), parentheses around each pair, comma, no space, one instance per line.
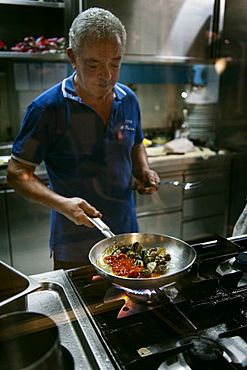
(182,257)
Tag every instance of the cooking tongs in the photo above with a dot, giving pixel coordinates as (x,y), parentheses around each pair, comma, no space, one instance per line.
(101,226)
(184,185)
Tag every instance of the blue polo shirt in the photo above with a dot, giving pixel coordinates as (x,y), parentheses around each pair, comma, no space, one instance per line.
(83,158)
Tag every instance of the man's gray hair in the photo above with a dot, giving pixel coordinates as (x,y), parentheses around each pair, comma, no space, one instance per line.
(96,25)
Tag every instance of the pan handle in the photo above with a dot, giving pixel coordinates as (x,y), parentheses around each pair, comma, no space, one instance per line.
(101,226)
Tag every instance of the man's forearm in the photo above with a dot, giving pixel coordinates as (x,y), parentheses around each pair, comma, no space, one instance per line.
(139,161)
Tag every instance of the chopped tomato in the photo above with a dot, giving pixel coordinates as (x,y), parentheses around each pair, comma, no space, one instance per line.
(120,271)
(134,274)
(122,265)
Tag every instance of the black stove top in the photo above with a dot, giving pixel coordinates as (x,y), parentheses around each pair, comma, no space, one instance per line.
(199,322)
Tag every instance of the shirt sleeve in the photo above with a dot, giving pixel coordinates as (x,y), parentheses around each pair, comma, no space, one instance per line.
(34,137)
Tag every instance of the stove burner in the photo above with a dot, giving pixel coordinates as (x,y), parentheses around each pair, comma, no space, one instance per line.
(241,261)
(205,353)
(147,296)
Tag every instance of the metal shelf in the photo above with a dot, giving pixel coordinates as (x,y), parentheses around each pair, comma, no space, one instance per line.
(127,59)
(32,56)
(45,4)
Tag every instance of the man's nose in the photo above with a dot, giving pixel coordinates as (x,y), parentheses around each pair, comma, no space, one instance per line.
(106,72)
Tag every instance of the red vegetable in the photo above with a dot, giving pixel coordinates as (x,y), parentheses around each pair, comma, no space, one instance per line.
(122,265)
(40,45)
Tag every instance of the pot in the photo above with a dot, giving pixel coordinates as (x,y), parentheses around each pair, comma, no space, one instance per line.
(182,257)
(30,341)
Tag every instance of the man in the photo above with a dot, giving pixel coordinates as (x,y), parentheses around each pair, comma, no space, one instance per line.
(87,129)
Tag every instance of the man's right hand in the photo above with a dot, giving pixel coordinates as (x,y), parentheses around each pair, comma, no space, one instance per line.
(77,209)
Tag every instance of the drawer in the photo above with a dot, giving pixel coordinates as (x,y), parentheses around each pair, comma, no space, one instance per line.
(216,181)
(204,228)
(167,224)
(167,197)
(204,206)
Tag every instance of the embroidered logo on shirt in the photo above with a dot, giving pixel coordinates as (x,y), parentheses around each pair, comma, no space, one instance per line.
(127,126)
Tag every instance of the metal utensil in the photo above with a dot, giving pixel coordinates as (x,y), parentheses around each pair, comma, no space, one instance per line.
(183,257)
(184,185)
(101,226)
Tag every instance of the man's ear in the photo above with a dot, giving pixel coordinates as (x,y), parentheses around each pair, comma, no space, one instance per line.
(71,56)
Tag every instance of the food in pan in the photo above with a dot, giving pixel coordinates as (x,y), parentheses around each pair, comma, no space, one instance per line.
(134,261)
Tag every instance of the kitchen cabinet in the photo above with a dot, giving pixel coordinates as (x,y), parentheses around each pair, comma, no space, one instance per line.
(24,229)
(29,229)
(192,215)
(161,212)
(19,19)
(205,209)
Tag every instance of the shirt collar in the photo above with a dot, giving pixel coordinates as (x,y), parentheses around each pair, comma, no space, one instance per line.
(119,93)
(68,88)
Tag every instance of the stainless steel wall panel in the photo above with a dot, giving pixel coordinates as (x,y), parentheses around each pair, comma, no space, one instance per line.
(162,28)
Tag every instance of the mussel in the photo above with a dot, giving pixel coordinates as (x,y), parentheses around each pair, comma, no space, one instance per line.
(154,260)
(139,262)
(136,247)
(160,269)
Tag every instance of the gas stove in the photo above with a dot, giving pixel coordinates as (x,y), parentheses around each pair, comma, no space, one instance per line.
(199,322)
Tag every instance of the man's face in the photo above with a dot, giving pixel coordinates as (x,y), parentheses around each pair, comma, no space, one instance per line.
(97,67)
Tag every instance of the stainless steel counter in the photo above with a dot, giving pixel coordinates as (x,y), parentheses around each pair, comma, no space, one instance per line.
(57,299)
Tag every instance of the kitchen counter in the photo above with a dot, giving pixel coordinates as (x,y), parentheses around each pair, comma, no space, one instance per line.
(159,158)
(57,299)
(158,151)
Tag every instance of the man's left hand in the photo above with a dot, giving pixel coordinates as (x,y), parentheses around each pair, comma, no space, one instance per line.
(148,184)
